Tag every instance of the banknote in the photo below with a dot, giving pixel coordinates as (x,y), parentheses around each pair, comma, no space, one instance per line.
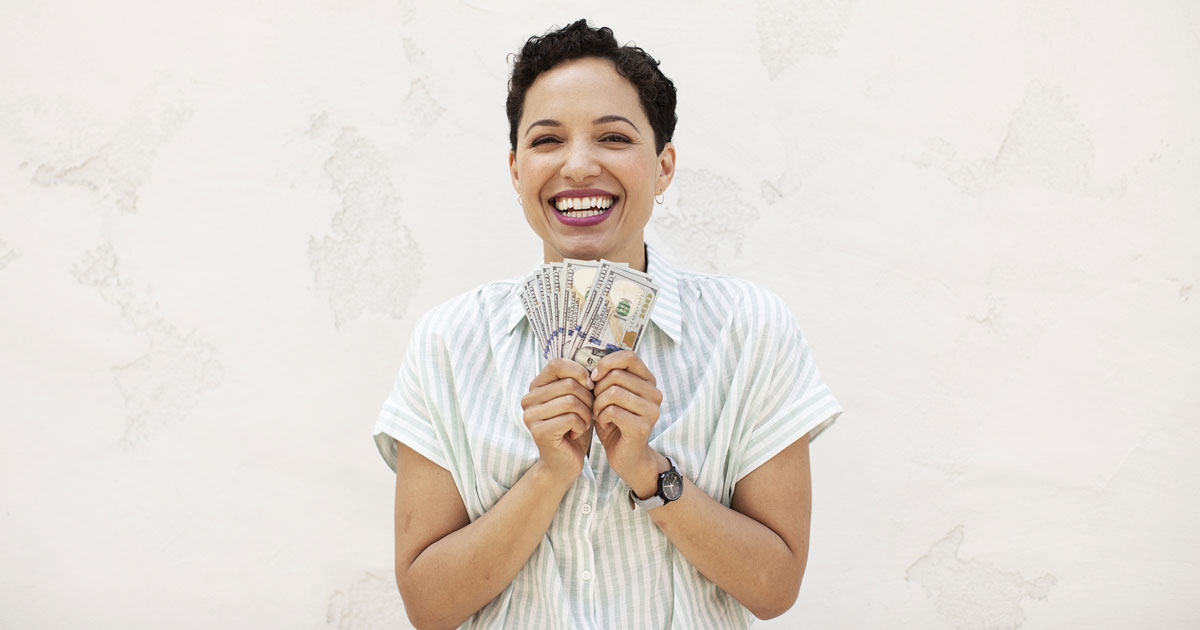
(533,309)
(585,309)
(578,278)
(555,304)
(617,312)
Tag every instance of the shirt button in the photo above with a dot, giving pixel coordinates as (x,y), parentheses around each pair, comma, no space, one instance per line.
(587,575)
(587,508)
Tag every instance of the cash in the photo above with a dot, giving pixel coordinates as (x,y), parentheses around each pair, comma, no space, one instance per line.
(585,309)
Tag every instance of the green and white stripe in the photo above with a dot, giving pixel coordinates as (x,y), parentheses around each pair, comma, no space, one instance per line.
(738,383)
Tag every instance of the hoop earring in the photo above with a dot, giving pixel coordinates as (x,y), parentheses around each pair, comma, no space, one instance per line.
(660,198)
(520,202)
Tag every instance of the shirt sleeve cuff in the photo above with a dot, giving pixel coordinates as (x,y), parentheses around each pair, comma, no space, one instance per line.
(811,415)
(422,440)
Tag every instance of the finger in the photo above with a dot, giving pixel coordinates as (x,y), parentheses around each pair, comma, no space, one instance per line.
(625,360)
(572,425)
(559,368)
(617,396)
(606,432)
(579,426)
(556,407)
(629,381)
(629,426)
(555,389)
(556,429)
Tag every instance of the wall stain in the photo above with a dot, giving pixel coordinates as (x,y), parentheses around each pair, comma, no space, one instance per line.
(371,603)
(370,263)
(7,254)
(122,165)
(413,52)
(708,222)
(771,191)
(420,109)
(790,30)
(408,11)
(178,369)
(1045,145)
(988,319)
(974,595)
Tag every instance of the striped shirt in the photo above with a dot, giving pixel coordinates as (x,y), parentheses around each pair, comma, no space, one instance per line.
(738,386)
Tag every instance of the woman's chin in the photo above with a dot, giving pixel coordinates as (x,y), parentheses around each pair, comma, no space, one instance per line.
(582,249)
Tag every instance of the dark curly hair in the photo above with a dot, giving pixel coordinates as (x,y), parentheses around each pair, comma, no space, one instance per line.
(540,54)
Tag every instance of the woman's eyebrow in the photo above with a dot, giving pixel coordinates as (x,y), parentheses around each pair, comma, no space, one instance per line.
(615,118)
(546,122)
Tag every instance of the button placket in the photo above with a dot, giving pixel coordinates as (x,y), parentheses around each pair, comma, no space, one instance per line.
(586,528)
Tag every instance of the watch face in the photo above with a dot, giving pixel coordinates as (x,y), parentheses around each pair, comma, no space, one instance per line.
(672,485)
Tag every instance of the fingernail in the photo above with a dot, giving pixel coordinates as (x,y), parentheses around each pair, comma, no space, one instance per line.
(596,374)
(590,384)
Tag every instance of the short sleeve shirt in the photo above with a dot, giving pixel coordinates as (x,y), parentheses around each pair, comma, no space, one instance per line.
(739,385)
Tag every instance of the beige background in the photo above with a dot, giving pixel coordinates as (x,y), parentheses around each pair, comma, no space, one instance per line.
(219,221)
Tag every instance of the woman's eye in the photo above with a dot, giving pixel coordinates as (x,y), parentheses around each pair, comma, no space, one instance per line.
(543,140)
(614,137)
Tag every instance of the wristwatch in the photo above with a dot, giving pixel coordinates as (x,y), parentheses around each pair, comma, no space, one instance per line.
(670,486)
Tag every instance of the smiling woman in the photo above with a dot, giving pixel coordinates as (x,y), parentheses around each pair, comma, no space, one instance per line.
(666,488)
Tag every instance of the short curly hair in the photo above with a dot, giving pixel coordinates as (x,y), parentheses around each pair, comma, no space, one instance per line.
(655,90)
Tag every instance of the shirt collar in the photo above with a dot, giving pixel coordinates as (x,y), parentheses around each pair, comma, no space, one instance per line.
(666,314)
(515,308)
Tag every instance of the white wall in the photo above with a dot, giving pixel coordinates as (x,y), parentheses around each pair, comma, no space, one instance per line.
(219,221)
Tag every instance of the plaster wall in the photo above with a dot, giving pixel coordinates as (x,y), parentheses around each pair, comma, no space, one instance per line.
(220,220)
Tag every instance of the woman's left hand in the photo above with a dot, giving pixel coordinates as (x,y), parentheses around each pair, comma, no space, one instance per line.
(626,408)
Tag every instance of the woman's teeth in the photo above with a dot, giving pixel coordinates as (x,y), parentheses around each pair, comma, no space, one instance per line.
(580,213)
(582,206)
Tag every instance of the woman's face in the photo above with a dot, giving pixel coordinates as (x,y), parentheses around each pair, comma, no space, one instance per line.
(585,166)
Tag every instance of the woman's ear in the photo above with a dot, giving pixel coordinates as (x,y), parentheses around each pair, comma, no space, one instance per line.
(666,168)
(512,170)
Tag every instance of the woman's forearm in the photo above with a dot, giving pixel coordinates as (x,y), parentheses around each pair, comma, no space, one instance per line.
(759,566)
(457,575)
(737,553)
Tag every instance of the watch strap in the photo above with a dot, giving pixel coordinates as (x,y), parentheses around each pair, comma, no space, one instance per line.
(657,499)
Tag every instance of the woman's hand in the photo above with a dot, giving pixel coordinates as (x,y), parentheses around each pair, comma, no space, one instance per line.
(626,410)
(558,413)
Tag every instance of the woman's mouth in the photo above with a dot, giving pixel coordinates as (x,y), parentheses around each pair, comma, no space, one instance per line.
(583,211)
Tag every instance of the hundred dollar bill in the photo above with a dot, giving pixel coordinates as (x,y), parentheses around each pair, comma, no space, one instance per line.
(533,311)
(547,314)
(578,278)
(617,312)
(555,304)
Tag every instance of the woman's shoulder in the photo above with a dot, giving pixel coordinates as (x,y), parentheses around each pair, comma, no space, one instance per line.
(484,303)
(745,300)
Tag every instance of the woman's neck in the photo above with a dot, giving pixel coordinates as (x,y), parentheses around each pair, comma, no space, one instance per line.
(634,255)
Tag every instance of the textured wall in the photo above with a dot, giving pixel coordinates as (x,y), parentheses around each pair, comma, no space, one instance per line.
(219,221)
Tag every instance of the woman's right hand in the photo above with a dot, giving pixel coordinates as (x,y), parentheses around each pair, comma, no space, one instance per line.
(558,413)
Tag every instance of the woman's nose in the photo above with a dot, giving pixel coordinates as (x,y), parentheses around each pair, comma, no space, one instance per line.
(580,164)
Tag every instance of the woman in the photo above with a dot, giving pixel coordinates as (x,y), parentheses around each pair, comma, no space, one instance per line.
(691,507)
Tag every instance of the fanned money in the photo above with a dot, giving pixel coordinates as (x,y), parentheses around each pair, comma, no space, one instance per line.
(584,310)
